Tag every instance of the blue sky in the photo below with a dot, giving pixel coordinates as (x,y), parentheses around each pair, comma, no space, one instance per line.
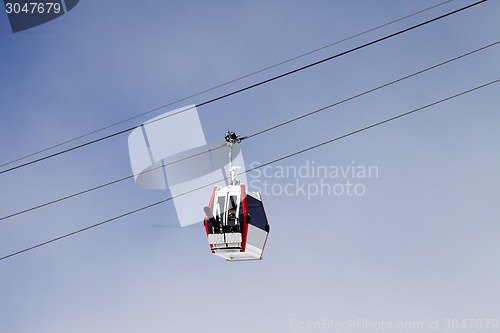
(420,244)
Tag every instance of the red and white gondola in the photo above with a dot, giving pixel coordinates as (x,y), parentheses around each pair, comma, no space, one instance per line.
(235,220)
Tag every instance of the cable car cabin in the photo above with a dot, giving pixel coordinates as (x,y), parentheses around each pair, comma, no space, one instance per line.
(236,223)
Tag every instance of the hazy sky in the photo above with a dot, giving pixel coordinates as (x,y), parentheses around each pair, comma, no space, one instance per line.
(417,243)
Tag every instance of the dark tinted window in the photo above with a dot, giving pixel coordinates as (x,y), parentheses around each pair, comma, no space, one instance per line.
(256,212)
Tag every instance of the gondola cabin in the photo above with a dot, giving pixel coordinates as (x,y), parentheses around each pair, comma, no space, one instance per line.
(236,223)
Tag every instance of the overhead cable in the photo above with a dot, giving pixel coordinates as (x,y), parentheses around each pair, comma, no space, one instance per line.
(252,135)
(223,84)
(252,169)
(245,88)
